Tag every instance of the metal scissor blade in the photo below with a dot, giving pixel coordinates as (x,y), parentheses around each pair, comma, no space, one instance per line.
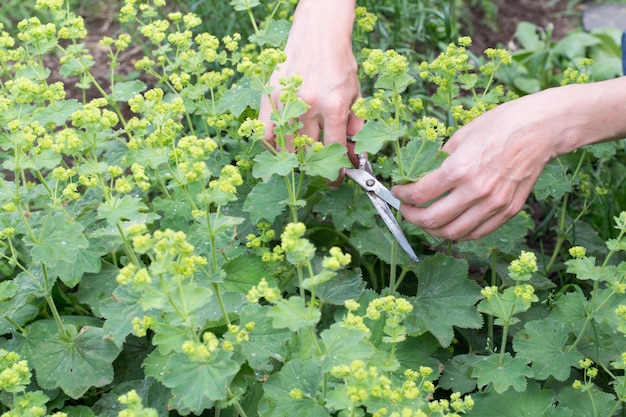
(371,185)
(387,216)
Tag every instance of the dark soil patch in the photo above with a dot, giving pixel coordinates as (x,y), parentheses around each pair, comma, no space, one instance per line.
(487,33)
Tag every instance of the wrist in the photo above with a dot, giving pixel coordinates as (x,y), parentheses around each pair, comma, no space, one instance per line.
(327,19)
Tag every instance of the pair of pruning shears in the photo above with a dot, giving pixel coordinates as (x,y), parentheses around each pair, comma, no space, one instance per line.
(382,199)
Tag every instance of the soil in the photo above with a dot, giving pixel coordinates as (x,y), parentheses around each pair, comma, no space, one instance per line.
(486,33)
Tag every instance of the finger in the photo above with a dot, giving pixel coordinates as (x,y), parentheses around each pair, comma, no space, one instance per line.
(426,189)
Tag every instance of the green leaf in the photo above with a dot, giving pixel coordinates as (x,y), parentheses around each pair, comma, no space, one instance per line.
(239,98)
(327,162)
(445,298)
(123,91)
(527,35)
(533,402)
(273,34)
(76,364)
(343,345)
(293,314)
(267,200)
(95,288)
(266,344)
(508,239)
(125,208)
(457,373)
(504,306)
(119,310)
(511,372)
(59,240)
(244,272)
(586,269)
(346,206)
(346,285)
(304,376)
(58,113)
(268,164)
(419,157)
(242,5)
(86,261)
(553,182)
(543,342)
(373,136)
(602,405)
(197,385)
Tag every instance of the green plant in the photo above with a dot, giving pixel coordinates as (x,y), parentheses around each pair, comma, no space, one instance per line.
(158,258)
(540,61)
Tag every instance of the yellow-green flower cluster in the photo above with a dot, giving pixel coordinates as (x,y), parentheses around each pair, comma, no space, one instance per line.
(73,28)
(141,325)
(395,307)
(299,250)
(522,268)
(496,57)
(337,259)
(489,291)
(14,372)
(32,31)
(92,116)
(590,372)
(49,4)
(201,351)
(525,292)
(364,20)
(262,66)
(263,290)
(443,70)
(364,386)
(390,62)
(131,274)
(577,251)
(453,407)
(7,233)
(190,155)
(134,406)
(431,128)
(577,75)
(228,181)
(371,108)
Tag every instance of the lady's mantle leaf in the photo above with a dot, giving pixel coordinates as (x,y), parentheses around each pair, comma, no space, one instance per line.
(76,364)
(266,342)
(197,385)
(512,372)
(543,342)
(373,136)
(267,200)
(303,376)
(268,164)
(445,298)
(418,158)
(293,314)
(531,402)
(326,162)
(59,240)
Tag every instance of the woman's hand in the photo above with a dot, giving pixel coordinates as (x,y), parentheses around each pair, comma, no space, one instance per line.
(319,49)
(495,160)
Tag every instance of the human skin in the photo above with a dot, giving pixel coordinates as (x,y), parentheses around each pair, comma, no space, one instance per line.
(319,49)
(495,160)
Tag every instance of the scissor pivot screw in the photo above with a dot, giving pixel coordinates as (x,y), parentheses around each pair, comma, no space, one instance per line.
(370,183)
